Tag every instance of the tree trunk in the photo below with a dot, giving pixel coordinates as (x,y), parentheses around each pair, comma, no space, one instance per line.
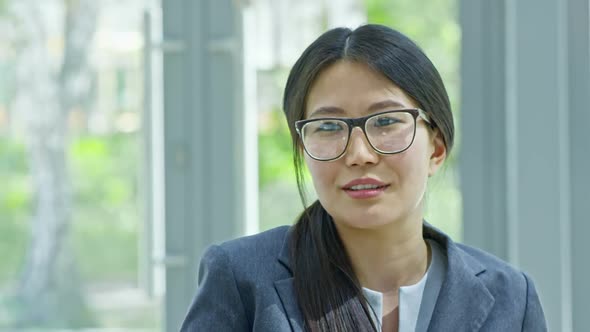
(49,289)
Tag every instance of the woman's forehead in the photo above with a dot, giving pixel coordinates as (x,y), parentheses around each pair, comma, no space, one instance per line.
(353,89)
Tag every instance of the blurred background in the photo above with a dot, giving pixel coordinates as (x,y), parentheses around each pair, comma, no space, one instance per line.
(134,133)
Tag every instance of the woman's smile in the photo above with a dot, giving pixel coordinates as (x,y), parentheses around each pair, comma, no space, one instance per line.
(364,188)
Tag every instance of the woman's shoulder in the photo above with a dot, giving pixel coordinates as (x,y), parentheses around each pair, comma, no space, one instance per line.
(489,260)
(497,274)
(262,242)
(475,277)
(493,271)
(249,253)
(513,290)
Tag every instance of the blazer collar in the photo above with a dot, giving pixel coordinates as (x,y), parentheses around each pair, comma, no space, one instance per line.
(463,301)
(285,253)
(285,287)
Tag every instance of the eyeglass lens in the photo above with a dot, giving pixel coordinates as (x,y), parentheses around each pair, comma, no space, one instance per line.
(326,139)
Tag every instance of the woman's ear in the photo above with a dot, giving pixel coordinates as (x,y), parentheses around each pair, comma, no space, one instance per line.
(439,152)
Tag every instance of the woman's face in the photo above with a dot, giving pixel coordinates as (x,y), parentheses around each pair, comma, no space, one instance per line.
(349,89)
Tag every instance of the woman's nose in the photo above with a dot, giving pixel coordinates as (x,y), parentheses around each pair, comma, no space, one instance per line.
(360,151)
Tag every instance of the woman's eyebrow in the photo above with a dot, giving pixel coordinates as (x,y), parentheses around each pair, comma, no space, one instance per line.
(327,110)
(384,104)
(333,110)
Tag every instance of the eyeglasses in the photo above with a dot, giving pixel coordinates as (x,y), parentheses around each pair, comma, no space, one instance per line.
(389,132)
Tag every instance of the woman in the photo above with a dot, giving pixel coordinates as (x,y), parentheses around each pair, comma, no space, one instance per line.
(370,118)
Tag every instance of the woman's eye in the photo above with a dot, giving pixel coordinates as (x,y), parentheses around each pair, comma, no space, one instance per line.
(386,121)
(329,126)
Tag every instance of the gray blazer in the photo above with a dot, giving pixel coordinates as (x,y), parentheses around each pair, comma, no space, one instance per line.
(247,285)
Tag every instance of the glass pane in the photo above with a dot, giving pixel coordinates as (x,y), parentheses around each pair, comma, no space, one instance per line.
(72,231)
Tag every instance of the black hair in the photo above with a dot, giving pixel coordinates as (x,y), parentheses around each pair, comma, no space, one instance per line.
(329,294)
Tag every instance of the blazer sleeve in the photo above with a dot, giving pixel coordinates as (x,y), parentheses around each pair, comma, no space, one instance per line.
(534,318)
(217,305)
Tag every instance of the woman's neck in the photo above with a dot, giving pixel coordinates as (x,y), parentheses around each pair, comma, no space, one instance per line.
(387,258)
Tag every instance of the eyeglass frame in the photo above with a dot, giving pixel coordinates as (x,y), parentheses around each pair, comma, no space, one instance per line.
(361,122)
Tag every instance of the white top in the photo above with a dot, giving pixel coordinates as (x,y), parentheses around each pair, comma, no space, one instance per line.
(410,297)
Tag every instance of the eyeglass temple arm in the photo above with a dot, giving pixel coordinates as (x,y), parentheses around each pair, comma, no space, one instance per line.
(425,117)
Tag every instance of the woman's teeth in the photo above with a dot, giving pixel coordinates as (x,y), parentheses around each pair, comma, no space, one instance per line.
(364,187)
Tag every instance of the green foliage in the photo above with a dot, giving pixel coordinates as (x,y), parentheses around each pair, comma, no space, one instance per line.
(443,203)
(15,200)
(3,4)
(7,86)
(275,158)
(432,24)
(279,201)
(105,215)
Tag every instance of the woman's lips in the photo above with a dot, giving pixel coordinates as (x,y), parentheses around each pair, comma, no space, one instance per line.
(364,188)
(366,193)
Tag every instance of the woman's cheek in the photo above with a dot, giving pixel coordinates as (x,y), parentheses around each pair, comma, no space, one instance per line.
(323,176)
(413,173)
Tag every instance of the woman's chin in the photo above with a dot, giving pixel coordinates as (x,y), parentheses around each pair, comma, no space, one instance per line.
(365,222)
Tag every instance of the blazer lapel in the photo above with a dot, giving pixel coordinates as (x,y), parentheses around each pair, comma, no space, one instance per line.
(287,295)
(464,302)
(286,291)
